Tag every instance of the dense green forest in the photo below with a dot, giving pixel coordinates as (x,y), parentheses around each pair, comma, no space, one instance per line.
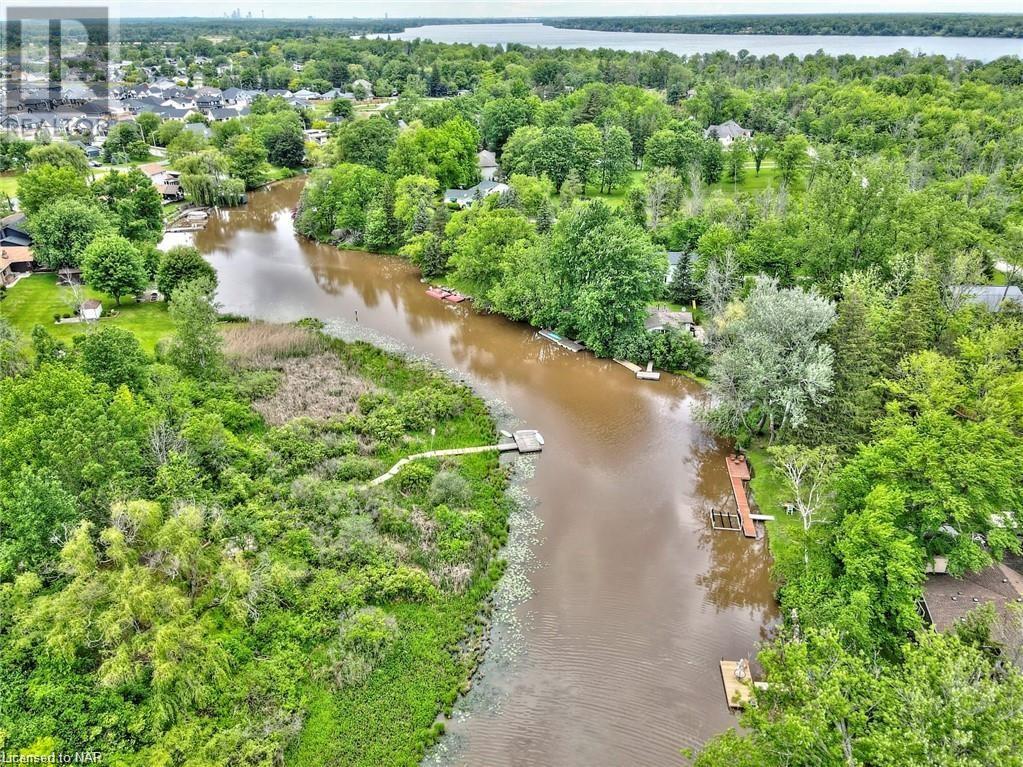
(888,24)
(205,550)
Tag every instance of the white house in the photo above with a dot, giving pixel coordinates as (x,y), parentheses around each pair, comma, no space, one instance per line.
(463,198)
(727,132)
(91,309)
(487,162)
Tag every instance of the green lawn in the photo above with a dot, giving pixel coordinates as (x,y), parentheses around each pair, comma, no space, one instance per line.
(34,301)
(9,184)
(770,493)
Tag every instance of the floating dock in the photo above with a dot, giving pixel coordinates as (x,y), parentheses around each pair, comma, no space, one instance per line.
(560,340)
(644,375)
(738,691)
(738,475)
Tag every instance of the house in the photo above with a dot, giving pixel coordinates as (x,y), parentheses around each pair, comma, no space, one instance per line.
(91,152)
(463,198)
(14,261)
(166,181)
(487,162)
(306,94)
(14,232)
(316,135)
(727,132)
(90,309)
(992,297)
(199,129)
(661,319)
(947,600)
(365,85)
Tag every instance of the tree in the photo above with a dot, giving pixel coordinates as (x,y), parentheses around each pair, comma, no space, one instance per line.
(712,161)
(663,191)
(43,185)
(197,345)
(125,142)
(134,203)
(773,367)
(501,117)
(586,152)
(335,202)
(246,158)
(148,123)
(962,500)
(364,142)
(185,143)
(792,157)
(682,289)
(12,358)
(182,264)
(615,159)
(414,204)
(61,155)
(63,229)
(735,161)
(281,134)
(807,472)
(531,192)
(482,241)
(761,145)
(113,356)
(555,154)
(342,108)
(827,705)
(113,265)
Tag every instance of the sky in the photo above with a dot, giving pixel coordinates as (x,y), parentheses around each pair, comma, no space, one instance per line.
(511,8)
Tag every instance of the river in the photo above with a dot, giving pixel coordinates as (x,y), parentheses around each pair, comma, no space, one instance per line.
(533,34)
(633,598)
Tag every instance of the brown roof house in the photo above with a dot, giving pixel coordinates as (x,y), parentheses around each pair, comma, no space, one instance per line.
(948,600)
(15,260)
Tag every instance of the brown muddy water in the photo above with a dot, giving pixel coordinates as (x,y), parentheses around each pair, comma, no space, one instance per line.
(612,656)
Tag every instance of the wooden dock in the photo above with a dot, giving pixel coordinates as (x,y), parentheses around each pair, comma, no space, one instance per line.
(560,340)
(738,475)
(738,691)
(526,441)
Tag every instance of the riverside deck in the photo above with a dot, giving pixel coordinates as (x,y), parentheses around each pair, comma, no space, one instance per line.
(738,475)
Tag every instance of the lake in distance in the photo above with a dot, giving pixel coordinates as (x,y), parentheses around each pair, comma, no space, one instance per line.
(536,34)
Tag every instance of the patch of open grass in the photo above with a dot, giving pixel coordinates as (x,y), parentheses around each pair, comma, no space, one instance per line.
(36,299)
(770,494)
(9,184)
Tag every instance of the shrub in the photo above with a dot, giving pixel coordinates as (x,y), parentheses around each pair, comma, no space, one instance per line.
(385,424)
(449,488)
(414,477)
(364,640)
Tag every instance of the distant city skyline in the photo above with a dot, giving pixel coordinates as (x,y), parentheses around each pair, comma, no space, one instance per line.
(541,8)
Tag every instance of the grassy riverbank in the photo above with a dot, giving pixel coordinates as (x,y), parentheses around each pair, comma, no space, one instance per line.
(770,493)
(331,623)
